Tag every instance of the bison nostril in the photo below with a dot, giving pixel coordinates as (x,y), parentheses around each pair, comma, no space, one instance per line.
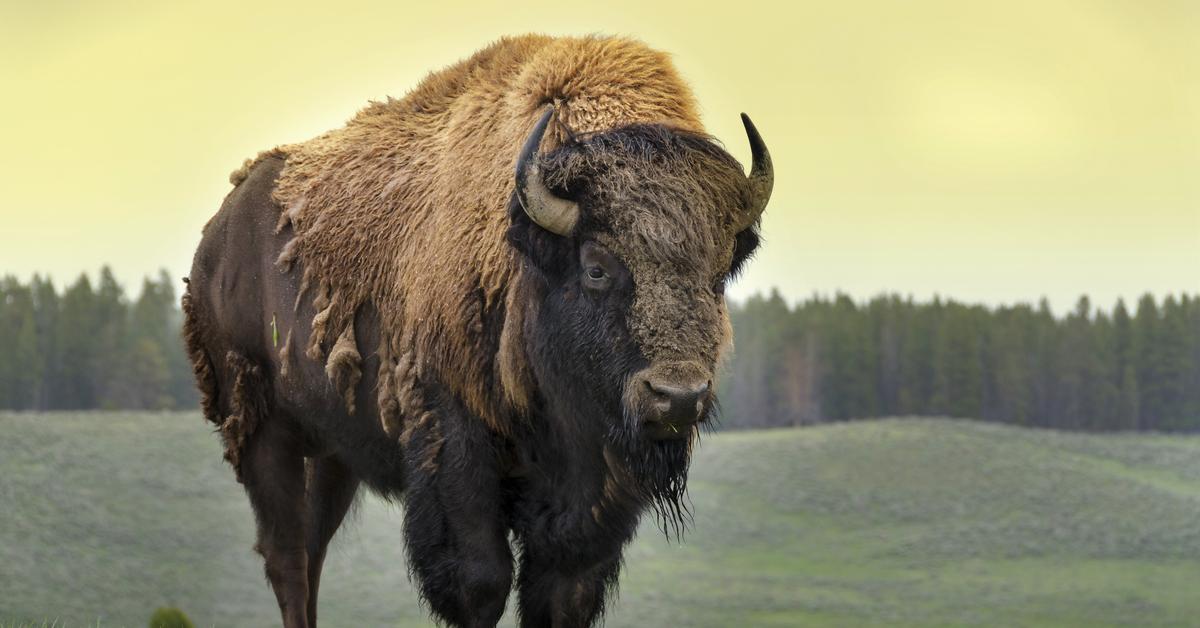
(674,390)
(679,402)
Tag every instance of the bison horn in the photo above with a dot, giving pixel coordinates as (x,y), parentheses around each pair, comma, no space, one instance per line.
(554,214)
(762,174)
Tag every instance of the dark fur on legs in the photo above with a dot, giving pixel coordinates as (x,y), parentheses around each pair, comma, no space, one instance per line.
(454,527)
(554,594)
(273,474)
(330,493)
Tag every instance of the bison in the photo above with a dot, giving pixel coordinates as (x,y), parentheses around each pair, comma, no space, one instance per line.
(524,361)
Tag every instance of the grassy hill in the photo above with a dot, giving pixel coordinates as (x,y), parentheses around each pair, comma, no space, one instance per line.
(906,521)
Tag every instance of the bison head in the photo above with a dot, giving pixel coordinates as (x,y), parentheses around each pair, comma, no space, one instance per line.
(632,234)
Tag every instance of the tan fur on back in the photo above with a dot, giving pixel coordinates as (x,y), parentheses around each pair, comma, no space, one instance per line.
(405,206)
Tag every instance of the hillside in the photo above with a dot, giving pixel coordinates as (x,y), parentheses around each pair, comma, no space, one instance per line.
(903,521)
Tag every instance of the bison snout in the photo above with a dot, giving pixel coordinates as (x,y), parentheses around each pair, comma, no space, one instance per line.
(678,402)
(669,401)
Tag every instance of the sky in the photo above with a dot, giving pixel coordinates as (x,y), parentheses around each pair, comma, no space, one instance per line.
(986,152)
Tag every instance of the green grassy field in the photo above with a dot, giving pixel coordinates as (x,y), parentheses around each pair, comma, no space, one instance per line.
(906,521)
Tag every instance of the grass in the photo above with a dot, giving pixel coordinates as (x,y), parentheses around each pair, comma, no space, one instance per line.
(898,522)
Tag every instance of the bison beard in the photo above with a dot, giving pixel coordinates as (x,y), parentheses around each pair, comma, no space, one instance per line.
(514,377)
(660,469)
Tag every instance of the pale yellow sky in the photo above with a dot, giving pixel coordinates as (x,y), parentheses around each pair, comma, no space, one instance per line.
(992,152)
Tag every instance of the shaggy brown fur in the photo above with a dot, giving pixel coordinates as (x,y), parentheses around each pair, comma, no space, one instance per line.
(405,206)
(249,403)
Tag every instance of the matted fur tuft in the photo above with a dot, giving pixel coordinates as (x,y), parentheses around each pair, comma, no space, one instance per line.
(405,205)
(248,403)
(344,367)
(194,333)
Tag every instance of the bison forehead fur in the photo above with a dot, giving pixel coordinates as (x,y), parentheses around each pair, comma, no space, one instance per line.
(442,348)
(669,203)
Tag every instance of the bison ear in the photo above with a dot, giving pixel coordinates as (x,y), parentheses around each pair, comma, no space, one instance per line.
(549,253)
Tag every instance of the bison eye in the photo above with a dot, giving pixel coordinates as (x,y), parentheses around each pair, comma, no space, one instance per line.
(719,287)
(599,270)
(596,278)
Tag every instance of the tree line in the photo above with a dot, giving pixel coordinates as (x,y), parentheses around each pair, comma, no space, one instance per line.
(823,359)
(91,346)
(832,359)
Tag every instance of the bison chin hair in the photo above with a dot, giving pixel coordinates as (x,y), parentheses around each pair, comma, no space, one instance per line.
(659,468)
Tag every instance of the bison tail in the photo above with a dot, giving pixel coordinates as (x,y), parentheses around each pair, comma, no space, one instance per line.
(202,367)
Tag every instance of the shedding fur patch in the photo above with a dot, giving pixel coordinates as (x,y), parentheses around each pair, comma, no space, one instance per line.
(248,405)
(406,204)
(427,422)
(344,366)
(389,405)
(398,391)
(403,410)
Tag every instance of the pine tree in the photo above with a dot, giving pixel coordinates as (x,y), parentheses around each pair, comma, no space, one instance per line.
(884,319)
(1009,367)
(1045,359)
(1103,392)
(149,336)
(77,342)
(7,335)
(744,394)
(1175,367)
(1123,349)
(181,385)
(916,361)
(958,364)
(1191,307)
(111,372)
(849,390)
(46,312)
(23,369)
(1128,415)
(1147,344)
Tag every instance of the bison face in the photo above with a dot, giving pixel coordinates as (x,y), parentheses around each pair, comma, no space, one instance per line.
(632,235)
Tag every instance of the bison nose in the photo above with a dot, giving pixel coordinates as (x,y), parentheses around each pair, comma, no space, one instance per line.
(678,402)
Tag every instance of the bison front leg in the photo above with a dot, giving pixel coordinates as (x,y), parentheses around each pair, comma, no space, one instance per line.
(571,534)
(555,592)
(453,522)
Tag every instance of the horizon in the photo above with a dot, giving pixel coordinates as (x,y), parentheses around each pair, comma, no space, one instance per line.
(131,290)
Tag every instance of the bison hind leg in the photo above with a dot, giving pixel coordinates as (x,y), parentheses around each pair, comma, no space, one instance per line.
(331,488)
(272,468)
